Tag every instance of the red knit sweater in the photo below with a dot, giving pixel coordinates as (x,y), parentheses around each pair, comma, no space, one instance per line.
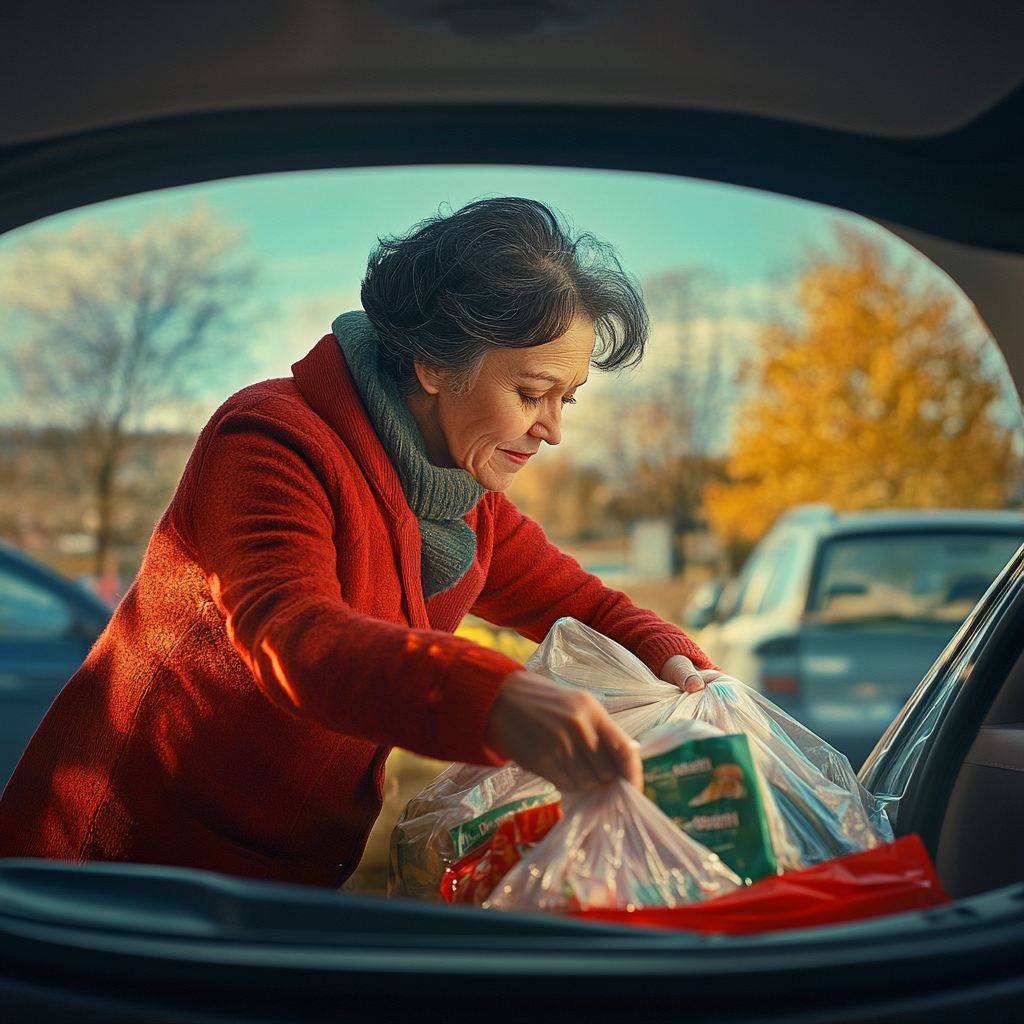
(236,713)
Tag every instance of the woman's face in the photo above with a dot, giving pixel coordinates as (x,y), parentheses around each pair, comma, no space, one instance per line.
(515,404)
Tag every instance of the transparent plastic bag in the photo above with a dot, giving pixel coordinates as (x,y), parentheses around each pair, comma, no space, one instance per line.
(816,807)
(422,845)
(612,849)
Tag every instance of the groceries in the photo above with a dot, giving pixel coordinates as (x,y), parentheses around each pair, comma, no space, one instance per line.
(736,791)
(707,784)
(815,806)
(429,838)
(472,878)
(613,848)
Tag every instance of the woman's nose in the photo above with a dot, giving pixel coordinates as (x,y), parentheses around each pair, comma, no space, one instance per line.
(549,426)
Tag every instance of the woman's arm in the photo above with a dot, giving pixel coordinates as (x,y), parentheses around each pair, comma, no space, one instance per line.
(258,518)
(531,584)
(256,513)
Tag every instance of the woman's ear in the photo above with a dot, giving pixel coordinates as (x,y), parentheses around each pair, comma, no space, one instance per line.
(428,376)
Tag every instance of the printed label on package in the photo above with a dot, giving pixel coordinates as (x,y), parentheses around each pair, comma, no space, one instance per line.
(470,834)
(709,788)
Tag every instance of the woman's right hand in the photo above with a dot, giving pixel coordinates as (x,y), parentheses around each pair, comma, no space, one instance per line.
(563,735)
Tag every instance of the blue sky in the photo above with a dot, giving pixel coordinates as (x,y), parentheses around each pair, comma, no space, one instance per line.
(312,230)
(310,233)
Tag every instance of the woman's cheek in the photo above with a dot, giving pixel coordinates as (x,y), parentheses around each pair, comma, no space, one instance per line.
(516,424)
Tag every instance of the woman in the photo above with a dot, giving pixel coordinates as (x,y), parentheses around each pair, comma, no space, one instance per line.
(294,615)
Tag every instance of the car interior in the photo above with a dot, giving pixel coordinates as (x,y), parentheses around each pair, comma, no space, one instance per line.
(985,806)
(911,114)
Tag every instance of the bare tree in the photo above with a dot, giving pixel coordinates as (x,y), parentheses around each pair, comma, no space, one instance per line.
(115,328)
(663,448)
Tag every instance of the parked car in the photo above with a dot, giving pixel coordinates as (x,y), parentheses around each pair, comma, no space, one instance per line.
(836,618)
(903,112)
(47,625)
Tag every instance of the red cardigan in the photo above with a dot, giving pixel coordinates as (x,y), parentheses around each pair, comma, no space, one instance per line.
(236,713)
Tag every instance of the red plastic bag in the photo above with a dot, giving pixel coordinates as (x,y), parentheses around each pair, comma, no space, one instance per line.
(889,879)
(471,879)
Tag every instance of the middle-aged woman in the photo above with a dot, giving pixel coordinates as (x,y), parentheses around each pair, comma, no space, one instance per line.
(294,615)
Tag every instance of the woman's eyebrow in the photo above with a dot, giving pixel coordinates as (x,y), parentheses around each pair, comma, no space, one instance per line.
(549,377)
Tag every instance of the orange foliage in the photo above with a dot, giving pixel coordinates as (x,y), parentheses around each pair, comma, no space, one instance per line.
(879,399)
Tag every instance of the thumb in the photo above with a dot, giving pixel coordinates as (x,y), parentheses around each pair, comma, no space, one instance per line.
(683,673)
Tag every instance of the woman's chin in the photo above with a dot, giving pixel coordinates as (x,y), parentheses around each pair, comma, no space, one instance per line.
(495,479)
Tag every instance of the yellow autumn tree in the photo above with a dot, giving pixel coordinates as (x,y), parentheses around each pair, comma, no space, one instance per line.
(880,397)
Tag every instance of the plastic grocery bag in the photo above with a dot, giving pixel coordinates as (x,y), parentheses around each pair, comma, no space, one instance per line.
(613,848)
(816,808)
(452,815)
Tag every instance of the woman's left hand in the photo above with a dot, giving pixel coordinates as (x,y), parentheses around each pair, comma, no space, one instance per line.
(682,672)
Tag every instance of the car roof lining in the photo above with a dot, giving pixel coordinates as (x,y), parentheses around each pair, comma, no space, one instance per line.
(896,70)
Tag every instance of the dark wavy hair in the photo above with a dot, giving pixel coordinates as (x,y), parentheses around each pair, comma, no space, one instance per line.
(503,272)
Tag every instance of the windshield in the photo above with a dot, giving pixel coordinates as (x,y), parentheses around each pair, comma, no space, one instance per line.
(925,576)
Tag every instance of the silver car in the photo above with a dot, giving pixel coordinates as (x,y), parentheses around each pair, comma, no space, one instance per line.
(838,617)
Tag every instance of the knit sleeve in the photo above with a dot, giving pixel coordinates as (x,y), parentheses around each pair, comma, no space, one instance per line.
(263,529)
(531,584)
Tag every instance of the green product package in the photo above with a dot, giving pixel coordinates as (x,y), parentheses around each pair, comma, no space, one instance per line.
(709,788)
(470,834)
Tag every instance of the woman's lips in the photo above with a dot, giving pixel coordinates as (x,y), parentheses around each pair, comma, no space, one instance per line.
(519,458)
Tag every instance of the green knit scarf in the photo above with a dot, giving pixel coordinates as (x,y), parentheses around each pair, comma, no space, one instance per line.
(439,498)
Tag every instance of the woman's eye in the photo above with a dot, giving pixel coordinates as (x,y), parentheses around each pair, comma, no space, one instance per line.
(568,400)
(529,399)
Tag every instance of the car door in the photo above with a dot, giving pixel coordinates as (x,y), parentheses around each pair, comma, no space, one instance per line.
(43,640)
(951,766)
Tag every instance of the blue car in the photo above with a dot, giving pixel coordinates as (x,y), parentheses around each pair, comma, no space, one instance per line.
(837,618)
(47,625)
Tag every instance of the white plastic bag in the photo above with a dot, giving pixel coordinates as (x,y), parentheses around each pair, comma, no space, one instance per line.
(612,848)
(816,807)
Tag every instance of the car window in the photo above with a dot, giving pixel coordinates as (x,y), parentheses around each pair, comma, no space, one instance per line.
(888,772)
(29,610)
(929,576)
(764,571)
(787,565)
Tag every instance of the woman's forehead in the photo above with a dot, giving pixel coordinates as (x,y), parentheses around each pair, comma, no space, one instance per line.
(563,361)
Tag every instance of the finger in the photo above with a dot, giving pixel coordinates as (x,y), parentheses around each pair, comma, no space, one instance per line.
(624,752)
(592,763)
(578,773)
(558,771)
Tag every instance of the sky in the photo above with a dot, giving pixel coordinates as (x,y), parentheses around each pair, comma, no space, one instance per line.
(314,229)
(310,233)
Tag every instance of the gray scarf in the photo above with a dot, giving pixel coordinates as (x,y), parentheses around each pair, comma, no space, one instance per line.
(439,498)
